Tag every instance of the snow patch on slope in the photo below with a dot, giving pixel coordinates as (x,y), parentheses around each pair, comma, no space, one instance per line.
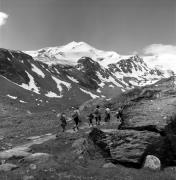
(37,71)
(59,83)
(21,101)
(89,93)
(108,80)
(51,94)
(12,97)
(31,85)
(73,79)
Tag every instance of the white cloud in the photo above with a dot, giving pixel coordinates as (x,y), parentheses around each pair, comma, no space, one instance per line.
(161,55)
(3,18)
(157,49)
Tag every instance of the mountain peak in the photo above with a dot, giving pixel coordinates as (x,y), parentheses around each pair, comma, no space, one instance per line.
(77,45)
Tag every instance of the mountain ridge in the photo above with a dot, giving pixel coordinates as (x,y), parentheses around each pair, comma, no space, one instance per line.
(64,82)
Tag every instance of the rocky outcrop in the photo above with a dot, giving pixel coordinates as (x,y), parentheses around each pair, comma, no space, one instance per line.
(124,146)
(148,127)
(15,153)
(128,147)
(151,110)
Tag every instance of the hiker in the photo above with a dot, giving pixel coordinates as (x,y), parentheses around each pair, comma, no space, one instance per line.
(90,118)
(119,116)
(63,121)
(107,115)
(76,118)
(97,115)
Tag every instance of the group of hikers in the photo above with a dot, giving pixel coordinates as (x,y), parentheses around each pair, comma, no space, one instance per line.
(93,115)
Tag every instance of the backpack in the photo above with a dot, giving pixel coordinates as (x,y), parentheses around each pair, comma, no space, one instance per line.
(107,111)
(96,111)
(63,120)
(75,114)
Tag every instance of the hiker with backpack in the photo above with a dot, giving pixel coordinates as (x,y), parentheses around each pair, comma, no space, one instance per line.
(63,122)
(107,115)
(119,116)
(90,118)
(76,118)
(97,115)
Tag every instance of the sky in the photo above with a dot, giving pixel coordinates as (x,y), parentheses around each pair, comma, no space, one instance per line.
(124,26)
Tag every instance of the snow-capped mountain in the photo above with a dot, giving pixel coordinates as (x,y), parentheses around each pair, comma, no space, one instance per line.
(72,52)
(70,75)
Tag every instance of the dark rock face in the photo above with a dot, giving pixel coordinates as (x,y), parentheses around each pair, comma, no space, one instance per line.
(13,65)
(124,146)
(129,146)
(148,113)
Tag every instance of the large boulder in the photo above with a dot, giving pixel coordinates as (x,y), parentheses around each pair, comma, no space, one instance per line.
(124,146)
(149,114)
(152,162)
(15,153)
(129,146)
(7,167)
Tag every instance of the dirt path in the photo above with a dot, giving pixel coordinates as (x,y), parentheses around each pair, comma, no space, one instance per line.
(24,149)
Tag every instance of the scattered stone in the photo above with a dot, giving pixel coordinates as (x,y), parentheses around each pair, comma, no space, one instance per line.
(32,166)
(80,145)
(38,157)
(3,161)
(152,162)
(80,157)
(8,167)
(28,112)
(170,168)
(1,138)
(28,177)
(109,165)
(9,144)
(33,137)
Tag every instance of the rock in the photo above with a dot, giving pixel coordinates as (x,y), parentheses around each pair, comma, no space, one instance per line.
(7,167)
(170,169)
(28,112)
(129,146)
(124,146)
(152,162)
(14,153)
(28,177)
(33,137)
(80,146)
(1,138)
(32,166)
(148,115)
(37,157)
(109,165)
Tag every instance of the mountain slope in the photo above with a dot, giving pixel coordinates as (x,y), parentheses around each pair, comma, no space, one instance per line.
(46,79)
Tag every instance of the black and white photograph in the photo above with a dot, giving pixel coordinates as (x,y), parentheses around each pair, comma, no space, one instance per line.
(87,89)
